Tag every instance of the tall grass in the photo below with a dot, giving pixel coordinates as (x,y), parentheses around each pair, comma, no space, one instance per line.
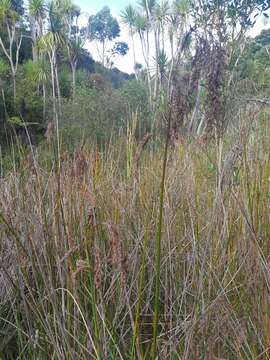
(78,251)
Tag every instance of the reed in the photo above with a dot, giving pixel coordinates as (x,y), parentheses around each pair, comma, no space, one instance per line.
(84,273)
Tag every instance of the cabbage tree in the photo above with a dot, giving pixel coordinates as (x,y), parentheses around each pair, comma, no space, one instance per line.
(11,43)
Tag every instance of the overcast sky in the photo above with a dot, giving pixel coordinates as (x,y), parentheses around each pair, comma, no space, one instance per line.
(126,63)
(98,4)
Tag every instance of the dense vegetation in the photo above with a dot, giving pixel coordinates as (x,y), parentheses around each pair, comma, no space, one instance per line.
(134,209)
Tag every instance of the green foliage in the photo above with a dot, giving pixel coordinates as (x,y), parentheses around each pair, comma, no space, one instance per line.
(17,121)
(60,45)
(26,46)
(231,12)
(94,114)
(103,26)
(135,96)
(18,6)
(65,82)
(263,38)
(37,71)
(78,276)
(253,67)
(128,16)
(99,112)
(120,48)
(148,5)
(37,8)
(85,61)
(4,68)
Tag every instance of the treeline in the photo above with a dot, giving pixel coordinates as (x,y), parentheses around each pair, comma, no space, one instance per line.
(202,60)
(197,57)
(44,61)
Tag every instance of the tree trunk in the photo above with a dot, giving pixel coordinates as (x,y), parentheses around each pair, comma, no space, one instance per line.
(157,51)
(57,83)
(73,69)
(53,87)
(171,67)
(148,68)
(14,89)
(34,38)
(134,54)
(44,100)
(103,53)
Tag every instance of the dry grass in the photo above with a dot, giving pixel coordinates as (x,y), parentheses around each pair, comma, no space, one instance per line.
(77,249)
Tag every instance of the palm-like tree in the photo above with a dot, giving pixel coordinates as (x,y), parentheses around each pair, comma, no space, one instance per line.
(37,72)
(37,14)
(142,27)
(48,43)
(74,41)
(177,23)
(162,63)
(128,16)
(160,17)
(75,51)
(8,22)
(144,20)
(148,6)
(56,36)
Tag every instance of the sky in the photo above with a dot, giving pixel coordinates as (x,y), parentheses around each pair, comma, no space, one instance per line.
(126,63)
(98,4)
(89,7)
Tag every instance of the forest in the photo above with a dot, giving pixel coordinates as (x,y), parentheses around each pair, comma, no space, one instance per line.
(135,207)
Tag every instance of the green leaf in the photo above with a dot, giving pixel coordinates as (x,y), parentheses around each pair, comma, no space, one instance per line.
(17,121)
